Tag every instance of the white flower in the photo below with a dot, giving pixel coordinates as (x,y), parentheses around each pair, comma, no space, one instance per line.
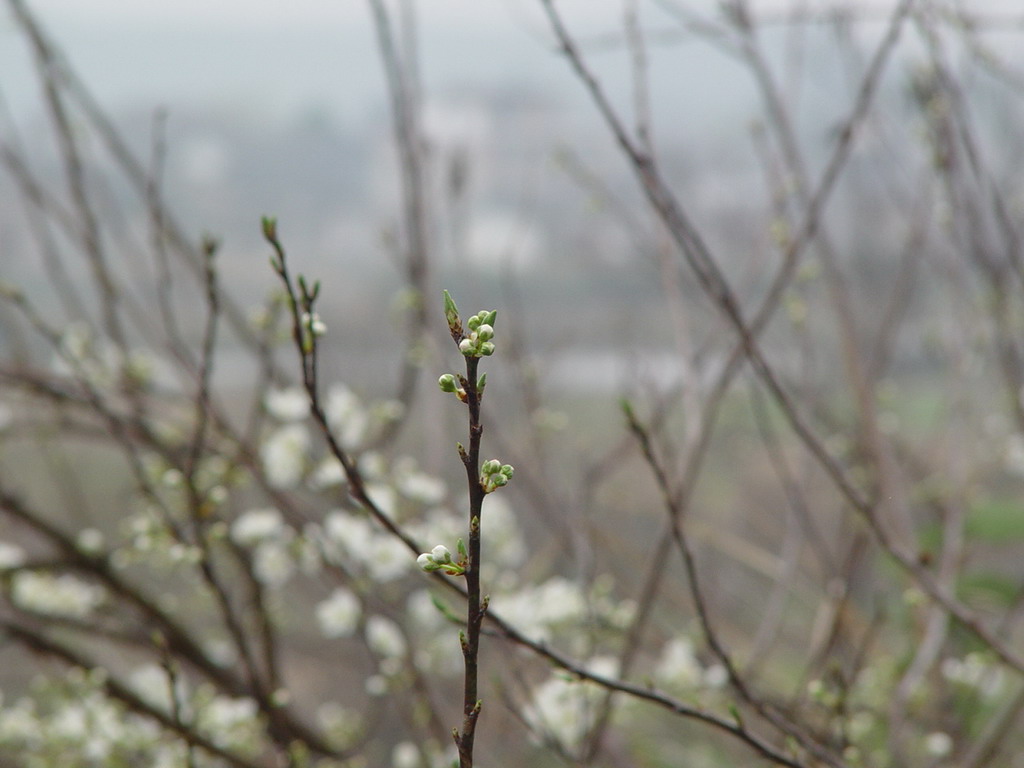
(352,533)
(55,595)
(383,496)
(938,744)
(289,404)
(313,324)
(386,558)
(90,541)
(346,415)
(272,563)
(385,637)
(327,474)
(11,556)
(71,722)
(423,488)
(284,455)
(604,666)
(257,525)
(376,685)
(151,683)
(342,725)
(339,614)
(716,676)
(405,755)
(976,672)
(501,536)
(535,610)
(223,715)
(421,609)
(416,485)
(561,709)
(678,665)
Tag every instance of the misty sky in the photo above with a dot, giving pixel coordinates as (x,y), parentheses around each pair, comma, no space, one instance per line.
(277,56)
(276,60)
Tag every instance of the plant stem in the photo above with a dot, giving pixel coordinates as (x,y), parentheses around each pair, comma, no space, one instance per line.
(475,608)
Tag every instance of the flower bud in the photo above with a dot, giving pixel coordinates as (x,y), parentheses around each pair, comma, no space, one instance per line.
(447,383)
(426,562)
(487,349)
(466,347)
(451,313)
(490,467)
(440,554)
(485,332)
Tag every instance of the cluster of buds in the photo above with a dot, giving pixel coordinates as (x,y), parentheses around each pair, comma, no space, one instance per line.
(440,559)
(495,475)
(312,324)
(481,330)
(477,342)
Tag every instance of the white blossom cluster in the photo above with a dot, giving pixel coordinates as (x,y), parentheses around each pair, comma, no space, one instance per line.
(541,610)
(103,364)
(563,709)
(52,595)
(71,722)
(360,545)
(976,671)
(679,668)
(276,549)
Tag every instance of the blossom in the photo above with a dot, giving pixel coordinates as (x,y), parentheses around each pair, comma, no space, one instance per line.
(272,563)
(405,755)
(339,614)
(313,323)
(536,610)
(11,556)
(257,525)
(328,473)
(345,415)
(385,637)
(678,664)
(288,404)
(284,455)
(228,720)
(562,710)
(63,595)
(938,744)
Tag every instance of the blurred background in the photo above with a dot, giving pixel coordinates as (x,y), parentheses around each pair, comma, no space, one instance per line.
(881,176)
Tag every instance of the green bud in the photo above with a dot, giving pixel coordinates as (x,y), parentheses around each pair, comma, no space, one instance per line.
(490,467)
(507,470)
(481,383)
(473,323)
(447,383)
(627,409)
(490,317)
(269,228)
(451,313)
(461,546)
(485,332)
(487,348)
